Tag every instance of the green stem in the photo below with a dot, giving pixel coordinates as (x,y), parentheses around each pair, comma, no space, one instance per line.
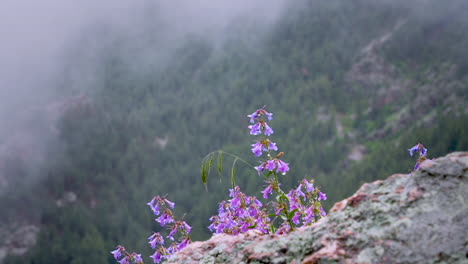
(232,155)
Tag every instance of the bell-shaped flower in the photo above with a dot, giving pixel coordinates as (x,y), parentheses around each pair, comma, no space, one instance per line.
(268,190)
(155,239)
(118,252)
(255,129)
(322,212)
(413,149)
(165,218)
(183,243)
(260,168)
(296,217)
(282,166)
(272,146)
(257,148)
(157,256)
(137,258)
(308,185)
(268,131)
(321,196)
(171,204)
(270,165)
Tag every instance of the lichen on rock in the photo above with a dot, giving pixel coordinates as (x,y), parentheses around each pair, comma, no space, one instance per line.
(415,218)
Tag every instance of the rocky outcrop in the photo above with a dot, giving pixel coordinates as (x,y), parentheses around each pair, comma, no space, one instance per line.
(420,217)
(407,98)
(17,239)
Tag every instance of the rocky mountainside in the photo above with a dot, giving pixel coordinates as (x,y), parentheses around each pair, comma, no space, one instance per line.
(415,218)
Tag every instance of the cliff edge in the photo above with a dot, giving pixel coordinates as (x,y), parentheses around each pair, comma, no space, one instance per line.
(420,217)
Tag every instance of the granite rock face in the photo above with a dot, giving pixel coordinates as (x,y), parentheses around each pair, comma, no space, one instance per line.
(421,217)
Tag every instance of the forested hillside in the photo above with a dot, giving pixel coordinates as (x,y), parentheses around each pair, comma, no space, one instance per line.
(352,85)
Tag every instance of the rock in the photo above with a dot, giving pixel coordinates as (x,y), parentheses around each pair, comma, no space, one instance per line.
(17,239)
(68,198)
(421,217)
(357,152)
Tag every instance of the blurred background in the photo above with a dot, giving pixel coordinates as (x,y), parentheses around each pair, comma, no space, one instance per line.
(104,104)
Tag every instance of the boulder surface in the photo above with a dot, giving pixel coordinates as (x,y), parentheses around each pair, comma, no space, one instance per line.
(420,217)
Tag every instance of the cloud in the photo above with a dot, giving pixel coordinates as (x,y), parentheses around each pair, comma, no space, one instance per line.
(49,45)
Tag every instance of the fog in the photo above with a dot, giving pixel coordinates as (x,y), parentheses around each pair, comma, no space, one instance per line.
(50,49)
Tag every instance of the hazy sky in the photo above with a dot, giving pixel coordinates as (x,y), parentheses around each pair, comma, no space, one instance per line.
(39,39)
(34,34)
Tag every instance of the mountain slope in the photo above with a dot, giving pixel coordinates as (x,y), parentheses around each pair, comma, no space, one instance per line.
(348,87)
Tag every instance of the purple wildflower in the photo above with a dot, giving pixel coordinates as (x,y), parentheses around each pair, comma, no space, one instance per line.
(321,196)
(423,151)
(255,202)
(309,186)
(322,212)
(245,226)
(258,113)
(270,165)
(124,261)
(260,168)
(234,191)
(117,253)
(235,202)
(278,208)
(172,233)
(284,228)
(309,218)
(253,116)
(183,243)
(165,218)
(268,190)
(422,154)
(294,200)
(185,227)
(137,258)
(253,211)
(255,129)
(157,256)
(413,149)
(257,148)
(282,166)
(268,131)
(272,145)
(171,204)
(155,239)
(299,191)
(418,147)
(295,218)
(154,206)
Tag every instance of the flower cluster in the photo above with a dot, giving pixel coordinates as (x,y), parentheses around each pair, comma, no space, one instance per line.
(422,154)
(261,125)
(162,207)
(239,214)
(123,257)
(289,211)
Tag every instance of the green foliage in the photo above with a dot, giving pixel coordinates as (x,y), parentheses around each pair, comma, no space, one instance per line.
(112,161)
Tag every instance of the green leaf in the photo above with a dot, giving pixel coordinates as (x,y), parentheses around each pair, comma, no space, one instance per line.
(220,163)
(203,173)
(291,214)
(207,162)
(233,173)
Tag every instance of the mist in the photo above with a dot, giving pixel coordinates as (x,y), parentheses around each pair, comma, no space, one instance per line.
(51,51)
